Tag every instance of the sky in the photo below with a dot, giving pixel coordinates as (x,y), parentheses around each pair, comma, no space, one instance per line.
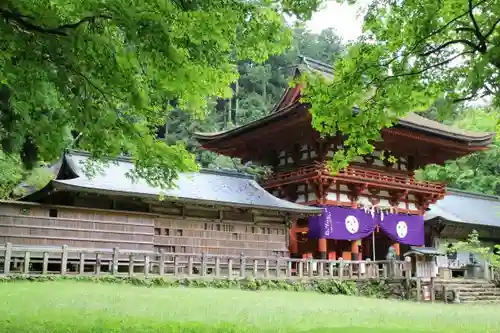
(342,17)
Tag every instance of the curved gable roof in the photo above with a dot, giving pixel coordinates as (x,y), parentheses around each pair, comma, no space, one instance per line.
(210,187)
(411,120)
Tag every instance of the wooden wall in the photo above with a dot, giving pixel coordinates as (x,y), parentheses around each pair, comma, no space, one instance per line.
(219,232)
(28,224)
(167,227)
(220,237)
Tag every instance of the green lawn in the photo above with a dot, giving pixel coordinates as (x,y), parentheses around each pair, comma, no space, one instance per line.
(84,307)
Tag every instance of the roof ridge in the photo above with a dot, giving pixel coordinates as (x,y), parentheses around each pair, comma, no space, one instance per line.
(127,159)
(473,194)
(306,59)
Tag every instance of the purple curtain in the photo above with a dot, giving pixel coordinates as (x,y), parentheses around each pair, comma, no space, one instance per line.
(341,223)
(405,229)
(354,224)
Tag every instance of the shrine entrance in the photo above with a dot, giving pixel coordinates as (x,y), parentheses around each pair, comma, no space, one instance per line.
(353,234)
(308,247)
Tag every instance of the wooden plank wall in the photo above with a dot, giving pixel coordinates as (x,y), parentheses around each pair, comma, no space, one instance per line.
(29,224)
(226,232)
(165,228)
(220,237)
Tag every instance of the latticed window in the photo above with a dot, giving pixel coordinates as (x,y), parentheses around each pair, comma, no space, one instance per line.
(228,228)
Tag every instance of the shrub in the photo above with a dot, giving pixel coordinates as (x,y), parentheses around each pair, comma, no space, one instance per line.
(324,286)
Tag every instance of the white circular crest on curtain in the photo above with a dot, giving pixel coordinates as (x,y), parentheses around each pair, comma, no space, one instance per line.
(402,229)
(352,224)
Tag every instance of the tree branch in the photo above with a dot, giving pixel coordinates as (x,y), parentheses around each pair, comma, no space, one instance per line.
(451,42)
(488,34)
(24,22)
(470,97)
(477,30)
(91,19)
(434,33)
(425,69)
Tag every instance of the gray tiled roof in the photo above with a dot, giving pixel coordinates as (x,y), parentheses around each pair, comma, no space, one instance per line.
(204,187)
(465,207)
(424,251)
(315,66)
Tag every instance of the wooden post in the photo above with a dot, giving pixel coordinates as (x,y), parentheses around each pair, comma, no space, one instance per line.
(407,265)
(266,268)
(230,267)
(82,263)
(97,264)
(292,237)
(255,267)
(341,268)
(131,265)
(278,267)
(330,268)
(190,266)
(288,268)
(64,259)
(217,266)
(8,257)
(203,264)
(385,269)
(419,289)
(301,268)
(310,266)
(392,268)
(433,289)
(45,264)
(445,291)
(242,265)
(116,256)
(161,264)
(146,265)
(26,262)
(486,271)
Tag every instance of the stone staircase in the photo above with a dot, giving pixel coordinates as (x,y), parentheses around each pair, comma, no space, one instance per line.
(470,291)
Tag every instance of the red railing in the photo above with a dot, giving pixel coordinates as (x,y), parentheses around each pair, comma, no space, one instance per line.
(354,174)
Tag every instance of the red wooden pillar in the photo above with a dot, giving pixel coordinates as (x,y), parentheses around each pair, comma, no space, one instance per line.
(355,250)
(322,248)
(397,249)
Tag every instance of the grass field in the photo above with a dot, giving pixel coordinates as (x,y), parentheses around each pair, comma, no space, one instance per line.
(83,307)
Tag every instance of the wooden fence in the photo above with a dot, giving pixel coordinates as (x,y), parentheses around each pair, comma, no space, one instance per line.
(78,261)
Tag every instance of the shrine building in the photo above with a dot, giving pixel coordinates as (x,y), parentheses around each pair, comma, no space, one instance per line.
(370,206)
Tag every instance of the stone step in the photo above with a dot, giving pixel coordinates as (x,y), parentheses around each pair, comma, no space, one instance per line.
(477,298)
(495,293)
(481,301)
(463,281)
(467,286)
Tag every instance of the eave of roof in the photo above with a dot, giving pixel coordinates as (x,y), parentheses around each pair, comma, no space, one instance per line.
(253,124)
(411,120)
(466,208)
(429,251)
(208,187)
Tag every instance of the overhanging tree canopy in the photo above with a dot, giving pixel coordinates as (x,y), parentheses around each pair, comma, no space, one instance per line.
(411,54)
(106,70)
